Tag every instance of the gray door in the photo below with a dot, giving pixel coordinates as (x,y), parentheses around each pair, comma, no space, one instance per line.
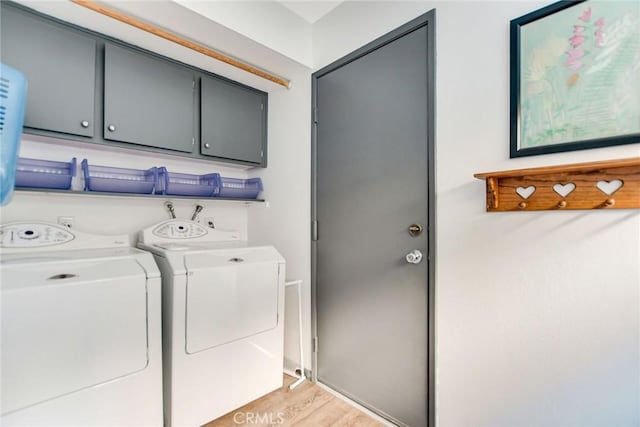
(60,66)
(147,101)
(233,121)
(371,185)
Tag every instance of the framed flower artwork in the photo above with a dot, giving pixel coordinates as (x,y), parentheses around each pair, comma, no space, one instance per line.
(575,77)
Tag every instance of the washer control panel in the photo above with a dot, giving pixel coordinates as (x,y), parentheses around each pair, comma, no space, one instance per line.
(33,235)
(180,230)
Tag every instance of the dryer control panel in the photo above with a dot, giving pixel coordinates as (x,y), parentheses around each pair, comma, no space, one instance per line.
(179,230)
(183,231)
(33,235)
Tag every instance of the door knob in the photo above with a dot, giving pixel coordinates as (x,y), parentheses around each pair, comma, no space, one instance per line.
(414,257)
(111,128)
(84,124)
(415,230)
(207,145)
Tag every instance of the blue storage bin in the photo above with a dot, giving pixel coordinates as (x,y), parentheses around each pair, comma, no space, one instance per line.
(184,184)
(239,188)
(37,173)
(13,95)
(118,180)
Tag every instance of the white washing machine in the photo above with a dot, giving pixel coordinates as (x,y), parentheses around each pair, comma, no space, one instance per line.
(222,319)
(81,329)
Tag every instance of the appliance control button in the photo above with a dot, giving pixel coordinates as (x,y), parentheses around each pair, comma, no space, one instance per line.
(28,234)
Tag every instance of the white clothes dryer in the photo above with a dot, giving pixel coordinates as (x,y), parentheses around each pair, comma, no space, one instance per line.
(223,315)
(81,329)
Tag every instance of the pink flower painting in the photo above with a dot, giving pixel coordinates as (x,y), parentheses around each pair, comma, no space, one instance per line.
(599,33)
(586,15)
(578,72)
(577,40)
(578,43)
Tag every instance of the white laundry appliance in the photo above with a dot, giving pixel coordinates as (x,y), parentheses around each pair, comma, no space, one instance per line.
(81,329)
(223,315)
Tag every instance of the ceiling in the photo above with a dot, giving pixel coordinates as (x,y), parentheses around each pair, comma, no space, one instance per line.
(310,11)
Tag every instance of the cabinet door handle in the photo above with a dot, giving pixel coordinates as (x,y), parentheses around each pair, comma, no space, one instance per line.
(112,128)
(84,124)
(207,145)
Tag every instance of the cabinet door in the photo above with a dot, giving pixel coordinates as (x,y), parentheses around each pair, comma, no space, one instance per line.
(232,121)
(147,101)
(60,66)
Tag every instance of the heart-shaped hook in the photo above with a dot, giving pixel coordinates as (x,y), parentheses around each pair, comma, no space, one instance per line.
(609,187)
(564,189)
(526,192)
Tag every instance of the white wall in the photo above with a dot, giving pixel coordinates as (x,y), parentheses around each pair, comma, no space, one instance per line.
(117,215)
(538,313)
(269,23)
(286,222)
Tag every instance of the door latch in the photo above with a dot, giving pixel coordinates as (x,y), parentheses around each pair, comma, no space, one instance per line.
(414,257)
(415,230)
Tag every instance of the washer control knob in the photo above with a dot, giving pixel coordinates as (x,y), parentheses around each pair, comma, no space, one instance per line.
(28,234)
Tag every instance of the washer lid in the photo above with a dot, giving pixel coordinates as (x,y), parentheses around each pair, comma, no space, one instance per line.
(63,259)
(67,326)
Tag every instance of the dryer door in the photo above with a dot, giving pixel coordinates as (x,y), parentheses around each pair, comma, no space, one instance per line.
(67,326)
(230,295)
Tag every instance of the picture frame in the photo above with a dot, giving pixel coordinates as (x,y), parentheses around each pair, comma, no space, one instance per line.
(575,77)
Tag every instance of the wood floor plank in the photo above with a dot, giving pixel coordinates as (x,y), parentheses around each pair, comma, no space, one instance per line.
(356,418)
(258,406)
(301,403)
(307,405)
(327,415)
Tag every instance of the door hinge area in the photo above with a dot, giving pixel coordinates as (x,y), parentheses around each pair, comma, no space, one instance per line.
(315,115)
(193,141)
(315,344)
(314,231)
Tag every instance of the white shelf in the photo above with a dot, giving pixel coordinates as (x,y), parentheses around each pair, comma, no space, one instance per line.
(55,192)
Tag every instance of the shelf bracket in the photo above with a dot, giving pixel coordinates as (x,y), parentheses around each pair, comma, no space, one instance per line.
(492,193)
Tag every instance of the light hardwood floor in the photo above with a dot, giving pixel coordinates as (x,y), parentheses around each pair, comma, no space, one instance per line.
(307,405)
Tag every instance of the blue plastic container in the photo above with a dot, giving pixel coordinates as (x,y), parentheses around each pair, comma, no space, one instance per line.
(36,173)
(118,180)
(239,188)
(184,184)
(13,95)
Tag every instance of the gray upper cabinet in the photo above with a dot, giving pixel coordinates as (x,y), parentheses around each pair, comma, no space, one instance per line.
(60,66)
(86,86)
(148,101)
(233,121)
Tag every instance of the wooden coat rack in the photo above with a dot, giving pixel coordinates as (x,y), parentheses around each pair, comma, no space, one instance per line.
(609,184)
